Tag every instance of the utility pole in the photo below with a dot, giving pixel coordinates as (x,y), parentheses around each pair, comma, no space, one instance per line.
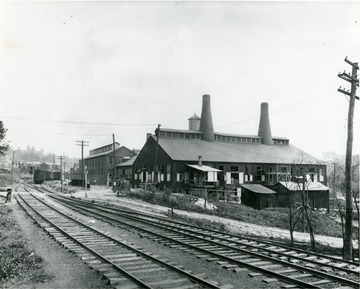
(61,177)
(348,159)
(114,165)
(12,166)
(53,168)
(334,192)
(82,143)
(157,133)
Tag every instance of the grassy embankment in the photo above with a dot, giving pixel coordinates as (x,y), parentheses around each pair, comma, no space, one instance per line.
(274,217)
(17,262)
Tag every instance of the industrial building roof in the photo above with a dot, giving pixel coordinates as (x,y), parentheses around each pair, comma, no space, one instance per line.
(259,189)
(190,150)
(312,186)
(128,163)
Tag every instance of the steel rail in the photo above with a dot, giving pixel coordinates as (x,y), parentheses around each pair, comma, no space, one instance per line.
(130,276)
(287,279)
(222,233)
(229,241)
(162,263)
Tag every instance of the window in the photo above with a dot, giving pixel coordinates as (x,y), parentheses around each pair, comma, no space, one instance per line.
(270,169)
(180,177)
(234,168)
(258,173)
(283,169)
(168,172)
(221,168)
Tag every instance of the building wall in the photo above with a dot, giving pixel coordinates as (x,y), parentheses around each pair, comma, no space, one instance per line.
(144,165)
(254,200)
(175,173)
(317,199)
(100,168)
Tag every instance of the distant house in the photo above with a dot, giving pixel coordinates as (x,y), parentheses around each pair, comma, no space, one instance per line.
(124,170)
(45,166)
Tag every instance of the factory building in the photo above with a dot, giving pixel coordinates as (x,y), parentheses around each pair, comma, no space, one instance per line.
(99,164)
(198,157)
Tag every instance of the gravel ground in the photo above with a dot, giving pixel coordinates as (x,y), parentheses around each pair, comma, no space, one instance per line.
(233,226)
(64,270)
(211,270)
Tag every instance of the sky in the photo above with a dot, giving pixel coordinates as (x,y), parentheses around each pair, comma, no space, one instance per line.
(72,71)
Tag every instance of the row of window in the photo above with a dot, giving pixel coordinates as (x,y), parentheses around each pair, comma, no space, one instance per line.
(237,139)
(218,137)
(281,141)
(179,135)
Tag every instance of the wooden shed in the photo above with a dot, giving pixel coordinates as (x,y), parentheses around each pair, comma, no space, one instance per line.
(318,194)
(256,196)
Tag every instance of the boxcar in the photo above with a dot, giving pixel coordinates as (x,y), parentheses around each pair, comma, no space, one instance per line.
(39,177)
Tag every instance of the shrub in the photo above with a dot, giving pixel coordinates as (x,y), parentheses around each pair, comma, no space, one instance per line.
(16,259)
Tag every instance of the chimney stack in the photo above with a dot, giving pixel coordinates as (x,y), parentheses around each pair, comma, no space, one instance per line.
(206,125)
(264,125)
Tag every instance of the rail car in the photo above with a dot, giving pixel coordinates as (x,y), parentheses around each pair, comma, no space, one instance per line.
(41,176)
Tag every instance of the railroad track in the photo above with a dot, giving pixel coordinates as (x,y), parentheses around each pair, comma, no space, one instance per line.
(124,265)
(298,268)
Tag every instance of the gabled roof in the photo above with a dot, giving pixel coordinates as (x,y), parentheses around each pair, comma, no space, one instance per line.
(190,150)
(111,152)
(128,163)
(259,189)
(312,186)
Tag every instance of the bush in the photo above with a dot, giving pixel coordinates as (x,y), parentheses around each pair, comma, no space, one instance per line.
(16,259)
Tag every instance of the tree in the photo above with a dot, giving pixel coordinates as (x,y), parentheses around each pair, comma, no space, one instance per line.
(4,146)
(300,175)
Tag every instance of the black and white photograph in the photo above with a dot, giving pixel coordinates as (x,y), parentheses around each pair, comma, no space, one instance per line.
(179,144)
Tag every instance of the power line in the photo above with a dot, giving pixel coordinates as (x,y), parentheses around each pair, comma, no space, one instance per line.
(78,122)
(60,133)
(287,108)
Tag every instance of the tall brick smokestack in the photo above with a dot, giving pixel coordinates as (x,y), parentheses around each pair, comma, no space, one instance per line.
(206,124)
(264,125)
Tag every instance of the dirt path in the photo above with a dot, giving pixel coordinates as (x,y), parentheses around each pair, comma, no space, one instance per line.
(62,269)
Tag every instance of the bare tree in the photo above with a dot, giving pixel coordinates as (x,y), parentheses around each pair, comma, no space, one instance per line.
(302,189)
(294,215)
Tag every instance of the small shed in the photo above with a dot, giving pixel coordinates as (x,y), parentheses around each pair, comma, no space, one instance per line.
(318,194)
(256,196)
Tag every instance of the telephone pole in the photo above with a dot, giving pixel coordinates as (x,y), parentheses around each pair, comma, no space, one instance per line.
(82,143)
(61,176)
(334,192)
(12,166)
(348,159)
(114,165)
